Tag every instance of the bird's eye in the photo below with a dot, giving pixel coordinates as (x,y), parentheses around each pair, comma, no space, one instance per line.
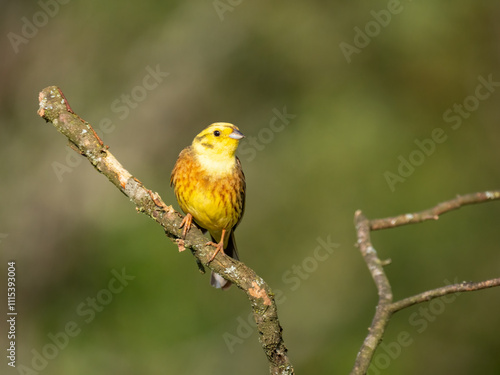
(216,133)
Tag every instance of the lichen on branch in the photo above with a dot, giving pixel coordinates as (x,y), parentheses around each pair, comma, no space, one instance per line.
(55,108)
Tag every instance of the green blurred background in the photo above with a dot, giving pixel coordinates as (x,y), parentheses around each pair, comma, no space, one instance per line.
(356,117)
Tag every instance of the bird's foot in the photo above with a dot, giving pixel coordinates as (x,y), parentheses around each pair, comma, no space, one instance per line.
(186,222)
(219,247)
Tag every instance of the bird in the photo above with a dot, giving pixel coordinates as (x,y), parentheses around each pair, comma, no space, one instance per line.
(210,188)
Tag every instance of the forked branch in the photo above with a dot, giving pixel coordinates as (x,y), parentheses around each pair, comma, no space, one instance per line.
(385,306)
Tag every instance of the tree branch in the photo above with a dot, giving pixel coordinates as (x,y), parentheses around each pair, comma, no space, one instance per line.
(383,311)
(465,286)
(55,108)
(385,306)
(434,212)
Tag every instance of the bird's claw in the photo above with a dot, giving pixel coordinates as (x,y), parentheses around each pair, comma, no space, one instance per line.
(186,222)
(219,247)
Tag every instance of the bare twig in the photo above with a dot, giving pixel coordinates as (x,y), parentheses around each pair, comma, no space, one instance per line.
(382,312)
(385,307)
(466,286)
(434,212)
(54,108)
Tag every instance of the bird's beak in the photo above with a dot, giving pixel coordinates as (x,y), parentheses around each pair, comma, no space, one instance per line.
(236,134)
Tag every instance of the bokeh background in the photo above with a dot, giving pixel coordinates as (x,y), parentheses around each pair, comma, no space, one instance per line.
(352,117)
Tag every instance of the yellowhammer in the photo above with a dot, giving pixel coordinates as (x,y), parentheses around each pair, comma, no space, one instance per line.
(210,187)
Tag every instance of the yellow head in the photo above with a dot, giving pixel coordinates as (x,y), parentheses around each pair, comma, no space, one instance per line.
(218,142)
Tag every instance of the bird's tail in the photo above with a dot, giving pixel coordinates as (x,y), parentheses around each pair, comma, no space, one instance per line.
(216,280)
